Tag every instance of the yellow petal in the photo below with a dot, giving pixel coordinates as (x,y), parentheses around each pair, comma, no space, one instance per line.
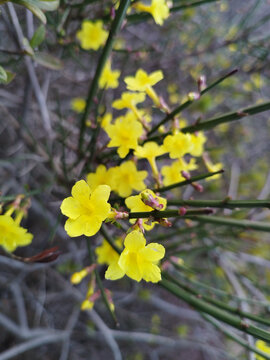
(81,191)
(129,264)
(71,207)
(114,272)
(152,252)
(134,241)
(150,272)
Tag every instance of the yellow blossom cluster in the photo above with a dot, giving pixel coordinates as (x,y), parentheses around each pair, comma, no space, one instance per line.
(169,161)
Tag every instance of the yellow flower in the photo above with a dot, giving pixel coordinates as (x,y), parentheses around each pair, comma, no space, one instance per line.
(101,176)
(109,77)
(78,104)
(198,141)
(106,254)
(144,82)
(12,234)
(137,261)
(263,346)
(172,173)
(92,35)
(150,151)
(129,100)
(124,134)
(126,178)
(135,204)
(105,120)
(178,145)
(158,9)
(85,209)
(212,167)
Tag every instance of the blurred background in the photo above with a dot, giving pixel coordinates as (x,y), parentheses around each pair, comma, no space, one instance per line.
(40,316)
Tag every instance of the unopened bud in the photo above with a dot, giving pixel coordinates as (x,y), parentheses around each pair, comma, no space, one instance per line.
(182,211)
(150,200)
(193,96)
(201,83)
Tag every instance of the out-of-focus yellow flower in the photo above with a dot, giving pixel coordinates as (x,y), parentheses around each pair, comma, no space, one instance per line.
(109,77)
(178,145)
(198,141)
(135,204)
(263,346)
(126,178)
(77,277)
(85,209)
(172,174)
(129,100)
(137,261)
(12,234)
(101,176)
(159,9)
(124,134)
(106,254)
(105,120)
(78,104)
(144,82)
(92,35)
(150,151)
(212,167)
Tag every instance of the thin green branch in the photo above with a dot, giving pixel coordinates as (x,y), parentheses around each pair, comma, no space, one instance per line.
(109,239)
(245,224)
(212,310)
(227,203)
(236,115)
(187,103)
(118,20)
(218,303)
(188,181)
(155,214)
(234,337)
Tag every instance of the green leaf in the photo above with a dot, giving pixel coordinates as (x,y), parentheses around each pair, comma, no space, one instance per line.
(3,76)
(10,77)
(38,36)
(34,9)
(48,61)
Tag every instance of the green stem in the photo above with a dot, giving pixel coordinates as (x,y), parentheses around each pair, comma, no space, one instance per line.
(223,204)
(155,214)
(245,224)
(109,239)
(234,337)
(219,304)
(188,181)
(236,115)
(215,312)
(118,20)
(189,102)
(99,282)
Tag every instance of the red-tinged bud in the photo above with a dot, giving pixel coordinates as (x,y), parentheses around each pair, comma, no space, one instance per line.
(197,187)
(112,12)
(201,83)
(150,200)
(193,96)
(185,174)
(182,211)
(138,225)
